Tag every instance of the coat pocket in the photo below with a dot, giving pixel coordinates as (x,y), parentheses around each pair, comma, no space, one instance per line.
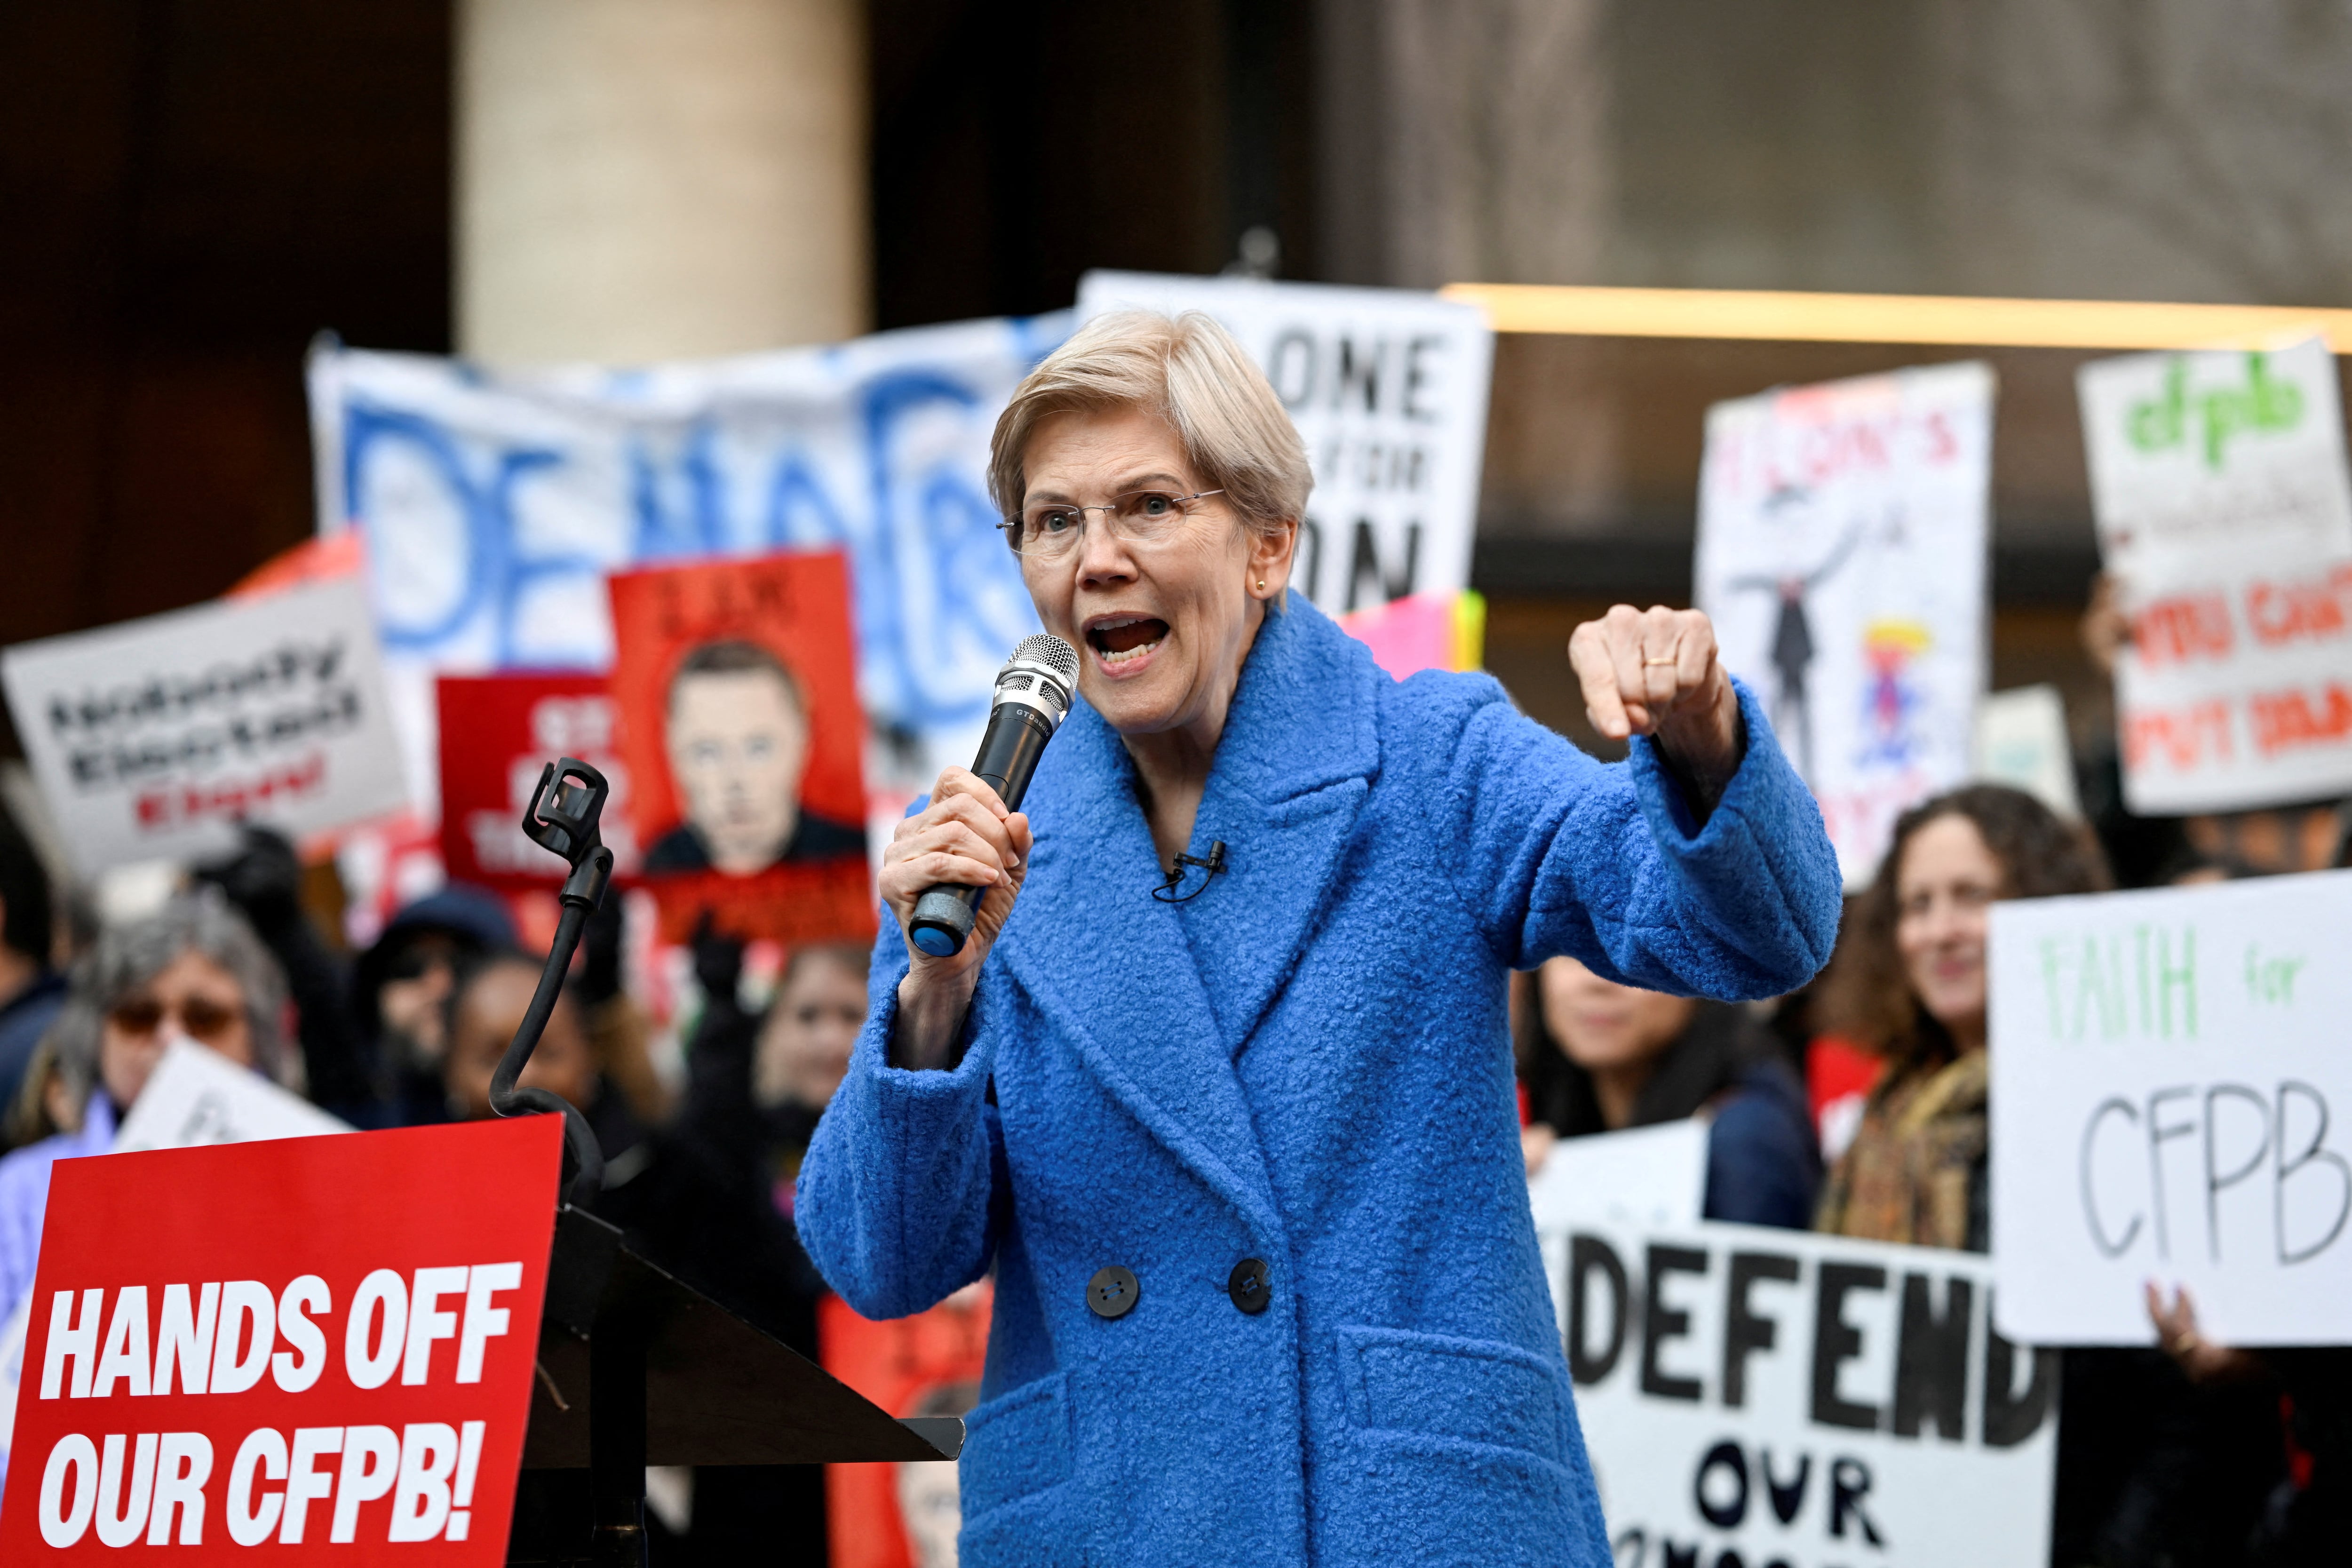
(1476,1390)
(1015,1444)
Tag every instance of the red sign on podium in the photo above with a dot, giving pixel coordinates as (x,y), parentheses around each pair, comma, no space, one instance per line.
(322,1345)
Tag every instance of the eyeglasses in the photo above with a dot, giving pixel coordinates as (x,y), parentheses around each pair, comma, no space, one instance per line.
(1049,532)
(202,1019)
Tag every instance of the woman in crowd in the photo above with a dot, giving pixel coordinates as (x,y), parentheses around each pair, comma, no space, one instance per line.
(488,996)
(1914,989)
(803,1053)
(1598,1056)
(711,1203)
(400,996)
(2149,1471)
(192,971)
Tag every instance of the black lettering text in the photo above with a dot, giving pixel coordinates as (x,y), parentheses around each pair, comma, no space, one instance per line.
(1744,1332)
(1588,1256)
(1931,1359)
(1661,1324)
(1837,1342)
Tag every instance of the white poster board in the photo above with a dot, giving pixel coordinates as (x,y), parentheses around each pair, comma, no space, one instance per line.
(2236,689)
(1803,1399)
(196,1098)
(2022,742)
(2225,511)
(1842,555)
(2220,451)
(156,737)
(494,504)
(1388,388)
(1644,1175)
(2172,1099)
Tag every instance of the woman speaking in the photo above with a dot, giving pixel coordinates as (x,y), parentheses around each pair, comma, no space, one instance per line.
(1247,1167)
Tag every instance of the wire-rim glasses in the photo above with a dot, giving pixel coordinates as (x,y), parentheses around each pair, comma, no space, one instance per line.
(1051,530)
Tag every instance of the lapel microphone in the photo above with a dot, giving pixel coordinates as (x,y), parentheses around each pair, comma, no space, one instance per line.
(1212,866)
(1033,697)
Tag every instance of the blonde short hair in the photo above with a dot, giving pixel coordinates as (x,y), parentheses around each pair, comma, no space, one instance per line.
(1188,370)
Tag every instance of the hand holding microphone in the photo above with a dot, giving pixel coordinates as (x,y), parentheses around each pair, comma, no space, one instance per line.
(951,872)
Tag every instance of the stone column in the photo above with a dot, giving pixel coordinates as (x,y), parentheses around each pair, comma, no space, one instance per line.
(655,179)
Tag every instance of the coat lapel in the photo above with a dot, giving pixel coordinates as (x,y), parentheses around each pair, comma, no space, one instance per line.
(1108,963)
(1159,997)
(1293,769)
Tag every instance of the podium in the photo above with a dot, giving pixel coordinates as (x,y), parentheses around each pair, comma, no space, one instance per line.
(637,1368)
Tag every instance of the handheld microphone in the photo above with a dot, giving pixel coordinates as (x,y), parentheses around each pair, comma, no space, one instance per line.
(1033,697)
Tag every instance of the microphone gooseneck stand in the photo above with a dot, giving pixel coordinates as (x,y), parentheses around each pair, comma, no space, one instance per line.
(671,1377)
(562,818)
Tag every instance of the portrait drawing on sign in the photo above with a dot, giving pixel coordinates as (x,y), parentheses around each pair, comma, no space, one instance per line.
(736,732)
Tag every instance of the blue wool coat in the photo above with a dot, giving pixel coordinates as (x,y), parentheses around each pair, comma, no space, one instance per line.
(1308,1064)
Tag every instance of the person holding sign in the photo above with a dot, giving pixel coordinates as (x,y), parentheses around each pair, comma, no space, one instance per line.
(1243,1157)
(2132,1460)
(1598,1056)
(1915,989)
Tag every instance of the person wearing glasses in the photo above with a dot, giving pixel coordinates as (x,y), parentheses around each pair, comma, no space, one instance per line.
(1247,1167)
(193,972)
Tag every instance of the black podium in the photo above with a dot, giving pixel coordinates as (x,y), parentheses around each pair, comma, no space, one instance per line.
(638,1368)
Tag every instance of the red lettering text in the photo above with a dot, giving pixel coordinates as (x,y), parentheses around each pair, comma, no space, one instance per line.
(2285,720)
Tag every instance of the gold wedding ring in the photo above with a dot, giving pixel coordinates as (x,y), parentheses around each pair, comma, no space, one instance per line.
(1648,662)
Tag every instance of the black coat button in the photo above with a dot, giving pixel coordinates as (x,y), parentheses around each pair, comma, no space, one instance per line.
(1112,1292)
(1248,1285)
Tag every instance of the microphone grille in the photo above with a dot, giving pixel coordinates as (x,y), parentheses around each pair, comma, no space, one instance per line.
(1051,651)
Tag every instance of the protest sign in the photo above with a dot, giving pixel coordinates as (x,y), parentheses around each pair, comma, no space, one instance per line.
(495,502)
(2020,742)
(2224,450)
(513,726)
(903,1515)
(740,722)
(1762,1397)
(2236,689)
(1388,388)
(325,1343)
(2225,511)
(155,738)
(1842,554)
(2170,1099)
(1643,1176)
(197,1097)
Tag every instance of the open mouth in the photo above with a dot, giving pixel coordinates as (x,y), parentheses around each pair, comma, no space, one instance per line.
(1121,640)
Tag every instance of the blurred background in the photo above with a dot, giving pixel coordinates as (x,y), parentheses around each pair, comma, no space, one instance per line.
(194,188)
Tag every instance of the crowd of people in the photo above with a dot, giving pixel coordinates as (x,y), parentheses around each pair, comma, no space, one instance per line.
(2187,1452)
(408,1032)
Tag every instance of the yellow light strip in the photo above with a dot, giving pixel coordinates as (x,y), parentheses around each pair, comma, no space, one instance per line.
(1730,313)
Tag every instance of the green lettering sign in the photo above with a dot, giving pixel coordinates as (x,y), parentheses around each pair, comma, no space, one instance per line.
(2263,402)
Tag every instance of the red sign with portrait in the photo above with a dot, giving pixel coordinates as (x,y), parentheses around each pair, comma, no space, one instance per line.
(321,1344)
(497,733)
(737,685)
